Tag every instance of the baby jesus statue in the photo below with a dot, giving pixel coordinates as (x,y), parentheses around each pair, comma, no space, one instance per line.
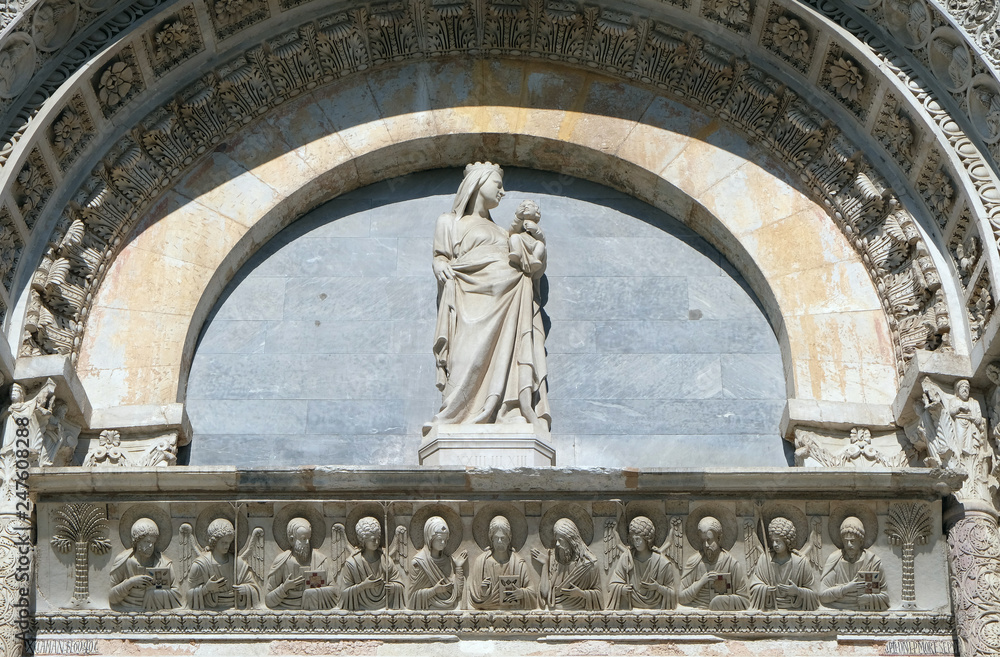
(527,244)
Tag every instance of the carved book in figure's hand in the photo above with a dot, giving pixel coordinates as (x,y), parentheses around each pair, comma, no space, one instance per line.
(161,577)
(872,580)
(509,585)
(722,584)
(314,578)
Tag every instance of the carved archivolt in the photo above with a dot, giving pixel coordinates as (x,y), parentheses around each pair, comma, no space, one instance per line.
(166,142)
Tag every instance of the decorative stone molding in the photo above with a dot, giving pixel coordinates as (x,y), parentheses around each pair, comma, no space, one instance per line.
(679,63)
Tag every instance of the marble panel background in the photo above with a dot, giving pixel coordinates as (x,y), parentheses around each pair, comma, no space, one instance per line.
(319,350)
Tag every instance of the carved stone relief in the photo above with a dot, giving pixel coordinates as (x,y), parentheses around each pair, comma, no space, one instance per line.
(847,81)
(32,188)
(984,108)
(859,449)
(737,15)
(11,245)
(909,21)
(118,82)
(51,437)
(71,132)
(897,132)
(788,35)
(173,40)
(53,23)
(231,16)
(138,449)
(951,429)
(950,59)
(181,556)
(17,63)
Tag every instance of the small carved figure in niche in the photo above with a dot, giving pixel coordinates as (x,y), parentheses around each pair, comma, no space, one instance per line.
(499,577)
(784,579)
(38,411)
(489,343)
(853,577)
(713,579)
(211,579)
(142,579)
(643,578)
(437,579)
(954,430)
(300,576)
(369,579)
(570,576)
(59,437)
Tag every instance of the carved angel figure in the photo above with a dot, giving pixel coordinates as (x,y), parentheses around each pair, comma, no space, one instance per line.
(142,579)
(570,576)
(437,579)
(299,577)
(853,577)
(500,577)
(783,579)
(220,580)
(644,578)
(713,578)
(954,430)
(369,579)
(489,340)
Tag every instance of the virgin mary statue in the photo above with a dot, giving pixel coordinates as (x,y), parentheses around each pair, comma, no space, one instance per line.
(489,342)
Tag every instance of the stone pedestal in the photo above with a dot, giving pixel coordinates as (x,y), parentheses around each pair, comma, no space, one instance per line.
(487,446)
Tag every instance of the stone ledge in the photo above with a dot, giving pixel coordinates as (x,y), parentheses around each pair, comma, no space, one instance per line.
(318,482)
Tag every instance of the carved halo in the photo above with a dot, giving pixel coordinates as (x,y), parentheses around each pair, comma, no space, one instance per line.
(488,511)
(575,512)
(721,513)
(375,510)
(221,510)
(450,516)
(798,517)
(843,512)
(157,514)
(652,510)
(279,528)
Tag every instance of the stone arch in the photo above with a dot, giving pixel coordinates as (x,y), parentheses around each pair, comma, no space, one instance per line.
(755,95)
(715,182)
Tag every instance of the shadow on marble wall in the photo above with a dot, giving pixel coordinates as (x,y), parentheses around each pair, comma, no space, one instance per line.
(319,350)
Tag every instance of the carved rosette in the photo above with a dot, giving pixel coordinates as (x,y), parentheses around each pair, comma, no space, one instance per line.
(974,555)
